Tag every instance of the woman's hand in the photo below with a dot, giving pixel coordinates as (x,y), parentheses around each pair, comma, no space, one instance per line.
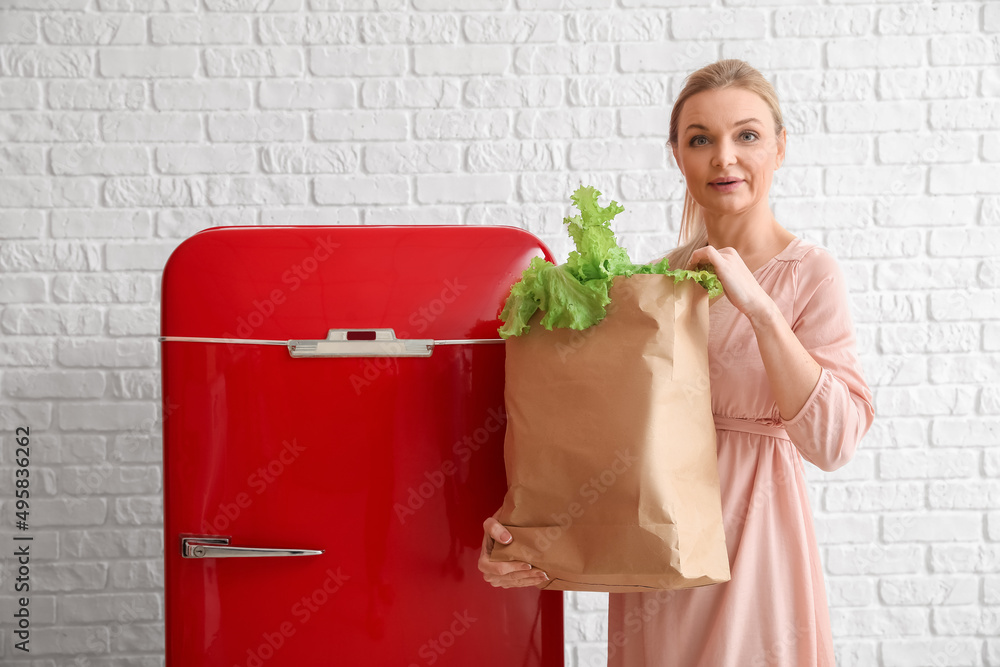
(510,574)
(741,288)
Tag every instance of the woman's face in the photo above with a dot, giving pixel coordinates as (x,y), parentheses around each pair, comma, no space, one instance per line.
(728,135)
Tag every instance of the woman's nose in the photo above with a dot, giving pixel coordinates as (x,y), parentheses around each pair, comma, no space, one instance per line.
(724,154)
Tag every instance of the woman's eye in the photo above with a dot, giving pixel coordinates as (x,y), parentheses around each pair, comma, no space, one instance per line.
(701,140)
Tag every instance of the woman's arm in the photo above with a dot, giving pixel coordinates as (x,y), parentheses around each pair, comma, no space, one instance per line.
(811,363)
(791,370)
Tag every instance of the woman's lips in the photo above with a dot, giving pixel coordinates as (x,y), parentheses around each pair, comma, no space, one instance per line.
(726,187)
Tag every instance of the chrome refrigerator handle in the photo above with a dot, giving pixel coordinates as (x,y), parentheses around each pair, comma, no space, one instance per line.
(215,547)
(372,343)
(365,343)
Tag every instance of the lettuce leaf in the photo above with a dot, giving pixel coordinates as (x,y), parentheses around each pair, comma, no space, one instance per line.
(703,277)
(597,254)
(574,295)
(567,302)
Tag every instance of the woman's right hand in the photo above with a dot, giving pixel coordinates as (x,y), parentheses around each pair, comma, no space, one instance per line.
(505,574)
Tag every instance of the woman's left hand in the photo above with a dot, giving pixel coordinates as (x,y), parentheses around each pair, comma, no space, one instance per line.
(741,288)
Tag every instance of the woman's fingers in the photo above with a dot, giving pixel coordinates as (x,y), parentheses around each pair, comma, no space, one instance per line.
(708,255)
(496,530)
(505,574)
(699,256)
(517,580)
(504,568)
(513,574)
(497,568)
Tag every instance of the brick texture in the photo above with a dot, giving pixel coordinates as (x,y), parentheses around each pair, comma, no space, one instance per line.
(129,125)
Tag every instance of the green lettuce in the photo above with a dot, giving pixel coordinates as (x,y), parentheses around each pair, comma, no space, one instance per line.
(574,295)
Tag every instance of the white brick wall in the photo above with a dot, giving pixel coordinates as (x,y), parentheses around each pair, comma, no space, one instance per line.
(128,125)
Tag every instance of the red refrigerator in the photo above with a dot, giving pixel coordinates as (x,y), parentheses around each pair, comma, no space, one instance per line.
(333,425)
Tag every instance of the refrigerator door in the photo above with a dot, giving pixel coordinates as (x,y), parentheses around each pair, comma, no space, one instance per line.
(333,424)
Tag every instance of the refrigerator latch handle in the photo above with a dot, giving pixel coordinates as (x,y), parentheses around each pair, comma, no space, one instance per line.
(361,343)
(218,547)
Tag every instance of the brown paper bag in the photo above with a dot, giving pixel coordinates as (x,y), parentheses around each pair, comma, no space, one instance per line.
(610,451)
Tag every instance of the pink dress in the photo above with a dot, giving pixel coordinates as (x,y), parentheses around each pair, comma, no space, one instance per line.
(773,612)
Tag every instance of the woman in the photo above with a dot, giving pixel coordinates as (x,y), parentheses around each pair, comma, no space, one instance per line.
(786,386)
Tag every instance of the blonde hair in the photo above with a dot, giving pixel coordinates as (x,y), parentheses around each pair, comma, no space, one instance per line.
(721,74)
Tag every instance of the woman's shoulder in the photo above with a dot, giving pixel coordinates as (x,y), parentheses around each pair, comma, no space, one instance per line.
(805,269)
(815,277)
(809,259)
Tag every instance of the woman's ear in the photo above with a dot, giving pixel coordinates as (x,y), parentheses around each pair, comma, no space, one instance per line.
(780,157)
(673,149)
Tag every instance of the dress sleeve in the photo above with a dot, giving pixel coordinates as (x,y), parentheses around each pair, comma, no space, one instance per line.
(839,411)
